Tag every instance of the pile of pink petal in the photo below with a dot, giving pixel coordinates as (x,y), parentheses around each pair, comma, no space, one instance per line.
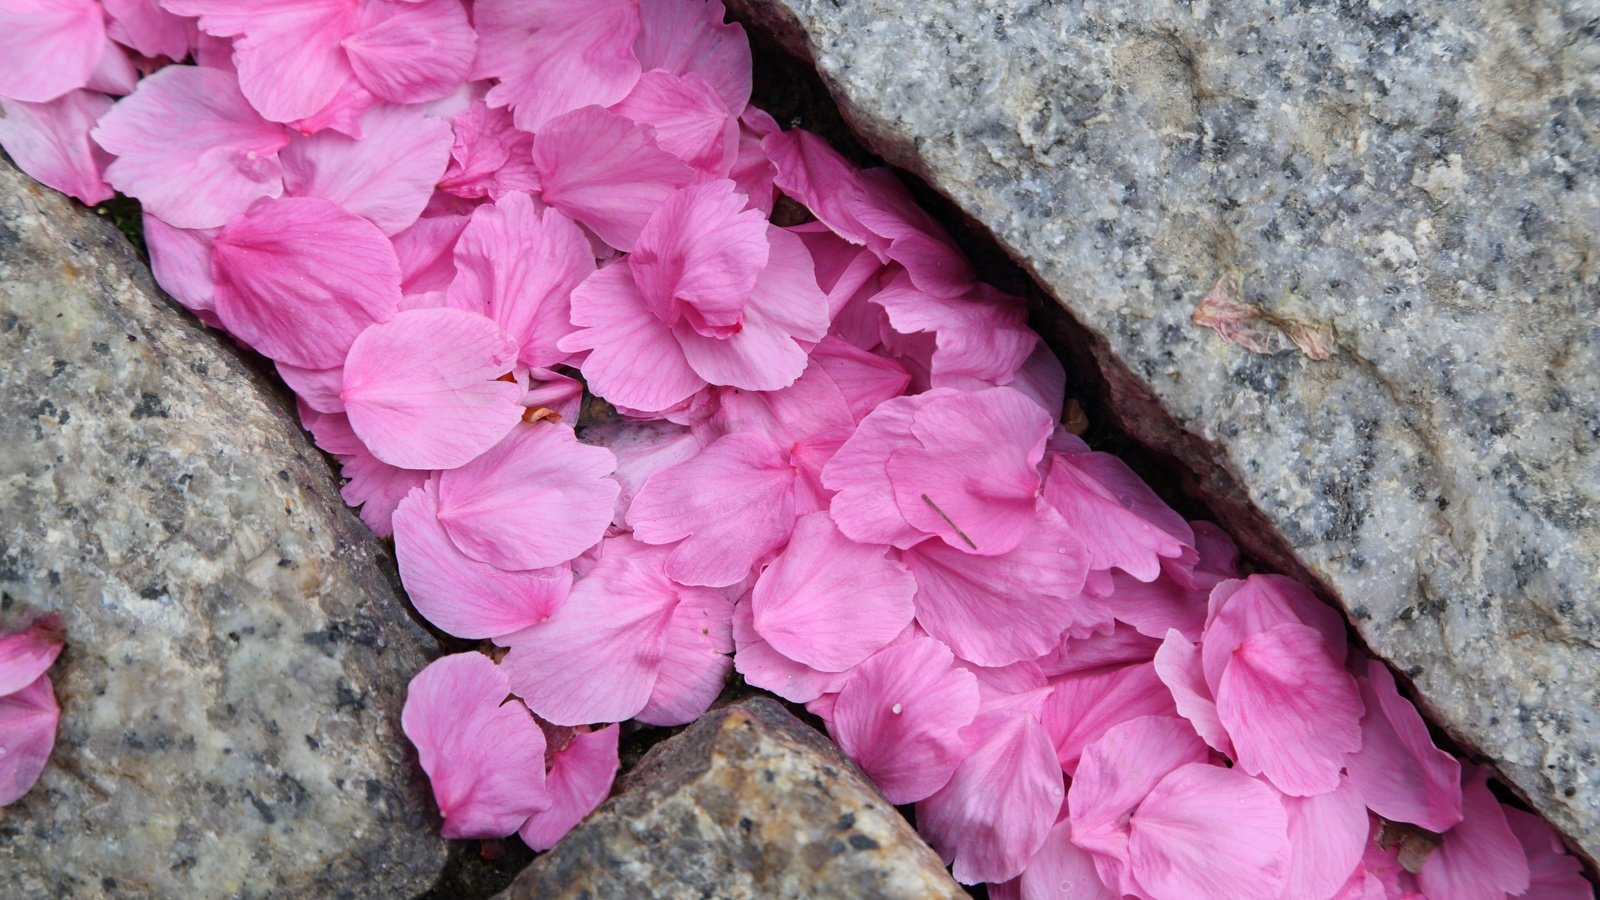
(28,710)
(837,468)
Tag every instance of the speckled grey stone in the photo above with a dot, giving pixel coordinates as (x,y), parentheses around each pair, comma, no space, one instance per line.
(236,658)
(1418,185)
(747,804)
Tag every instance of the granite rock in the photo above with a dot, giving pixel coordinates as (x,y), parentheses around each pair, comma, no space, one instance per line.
(747,803)
(236,655)
(1391,211)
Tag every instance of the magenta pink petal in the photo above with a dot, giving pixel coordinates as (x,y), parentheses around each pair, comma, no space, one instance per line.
(489,157)
(829,602)
(317,388)
(908,235)
(766,668)
(811,406)
(1178,665)
(900,715)
(1158,606)
(1398,770)
(979,339)
(1085,705)
(191,123)
(50,47)
(728,507)
(180,258)
(377,488)
(343,113)
(1206,831)
(816,175)
(50,141)
(751,170)
(695,660)
(26,654)
(1553,874)
(633,359)
(579,780)
(412,51)
(574,53)
(1060,871)
(864,506)
(1000,803)
(697,258)
(28,718)
(299,278)
(1124,524)
(1480,858)
(686,37)
(865,379)
(1120,646)
(426,252)
(519,266)
(536,499)
(464,597)
(1240,608)
(1327,837)
(482,751)
(689,119)
(386,177)
(642,449)
(150,30)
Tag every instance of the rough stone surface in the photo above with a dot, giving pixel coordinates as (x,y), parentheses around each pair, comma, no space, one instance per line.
(1415,190)
(747,804)
(236,658)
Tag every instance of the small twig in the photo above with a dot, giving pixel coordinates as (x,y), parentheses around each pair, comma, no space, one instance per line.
(929,500)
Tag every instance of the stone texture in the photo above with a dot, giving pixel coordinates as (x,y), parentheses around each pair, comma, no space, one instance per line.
(1411,189)
(747,803)
(236,656)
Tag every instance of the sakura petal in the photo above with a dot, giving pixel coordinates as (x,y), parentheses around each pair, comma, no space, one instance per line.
(865,379)
(1480,858)
(386,177)
(458,594)
(1123,523)
(536,499)
(864,505)
(812,172)
(26,654)
(1178,665)
(180,258)
(579,780)
(299,278)
(633,359)
(697,258)
(1553,874)
(1060,871)
(694,662)
(979,339)
(150,30)
(411,52)
(1206,831)
(828,602)
(50,141)
(900,715)
(904,233)
(690,120)
(1327,836)
(1158,606)
(28,719)
(1292,712)
(377,488)
(766,668)
(1240,608)
(642,449)
(195,122)
(692,39)
(751,171)
(605,171)
(319,388)
(574,53)
(790,415)
(50,47)
(426,251)
(1085,705)
(1398,770)
(729,506)
(483,753)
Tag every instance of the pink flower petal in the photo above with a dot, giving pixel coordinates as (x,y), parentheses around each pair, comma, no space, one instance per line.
(413,51)
(980,339)
(489,157)
(50,47)
(1000,803)
(729,506)
(829,602)
(50,141)
(1240,608)
(909,236)
(697,258)
(426,252)
(28,720)
(642,449)
(180,258)
(536,499)
(606,172)
(26,654)
(766,668)
(377,488)
(1327,837)
(518,267)
(1178,665)
(299,278)
(1292,712)
(190,148)
(1085,705)
(483,753)
(579,780)
(1206,831)
(813,173)
(751,171)
(150,30)
(695,660)
(386,177)
(574,53)
(1120,646)
(1060,871)
(686,38)
(633,361)
(865,379)
(864,506)
(1480,858)
(689,119)
(997,610)
(318,388)
(460,595)
(1553,874)
(343,113)
(790,415)
(899,717)
(1398,770)
(1123,523)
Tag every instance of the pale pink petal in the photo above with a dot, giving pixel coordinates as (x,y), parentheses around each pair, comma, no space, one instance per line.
(1398,770)
(115,73)
(190,148)
(766,668)
(909,236)
(976,493)
(50,47)
(597,658)
(1000,803)
(536,499)
(572,53)
(633,360)
(28,720)
(1060,871)
(343,113)
(1117,646)
(1085,705)
(377,488)
(26,654)
(1553,874)
(864,506)
(1123,523)
(386,177)
(426,252)
(288,54)
(1292,712)
(688,118)
(319,388)
(691,38)
(489,157)
(813,173)
(642,449)
(695,660)
(606,172)
(50,142)
(1178,665)
(829,602)
(728,507)
(1327,836)
(865,379)
(1158,606)
(413,51)
(1480,858)
(1206,831)
(697,258)
(751,171)
(1043,379)
(482,751)
(1240,608)
(180,258)
(460,595)
(149,29)
(579,780)
(299,278)
(809,457)
(790,415)
(900,715)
